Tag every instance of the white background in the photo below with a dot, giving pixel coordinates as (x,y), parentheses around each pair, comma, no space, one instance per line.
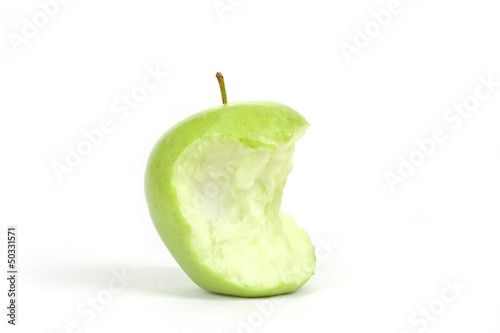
(382,255)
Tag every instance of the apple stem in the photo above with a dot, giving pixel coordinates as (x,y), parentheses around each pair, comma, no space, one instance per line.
(222,87)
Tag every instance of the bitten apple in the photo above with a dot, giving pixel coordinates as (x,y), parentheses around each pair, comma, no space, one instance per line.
(214,184)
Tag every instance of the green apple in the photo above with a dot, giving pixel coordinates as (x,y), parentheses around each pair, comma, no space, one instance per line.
(214,184)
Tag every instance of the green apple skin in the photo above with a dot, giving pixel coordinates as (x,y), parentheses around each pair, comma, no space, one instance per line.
(255,124)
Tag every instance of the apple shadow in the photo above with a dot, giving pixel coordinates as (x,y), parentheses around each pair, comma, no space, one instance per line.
(157,280)
(91,277)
